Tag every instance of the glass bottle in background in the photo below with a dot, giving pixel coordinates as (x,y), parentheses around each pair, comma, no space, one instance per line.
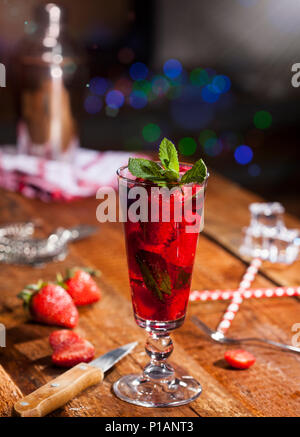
(48,71)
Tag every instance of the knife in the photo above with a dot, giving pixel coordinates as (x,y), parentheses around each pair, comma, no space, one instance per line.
(65,387)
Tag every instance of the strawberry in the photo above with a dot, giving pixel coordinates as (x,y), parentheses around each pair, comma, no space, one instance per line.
(70,349)
(50,304)
(63,337)
(239,358)
(81,286)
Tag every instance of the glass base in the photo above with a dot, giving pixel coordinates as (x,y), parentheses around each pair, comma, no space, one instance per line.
(138,390)
(157,326)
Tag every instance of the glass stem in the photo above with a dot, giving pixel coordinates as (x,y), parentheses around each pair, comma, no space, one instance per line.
(159,347)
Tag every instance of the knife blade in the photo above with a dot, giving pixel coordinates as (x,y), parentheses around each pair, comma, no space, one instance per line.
(106,361)
(65,387)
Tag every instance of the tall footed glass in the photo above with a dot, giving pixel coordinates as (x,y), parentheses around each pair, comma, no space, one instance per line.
(161,227)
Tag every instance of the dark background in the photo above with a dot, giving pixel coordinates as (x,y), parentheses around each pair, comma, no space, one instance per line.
(252,42)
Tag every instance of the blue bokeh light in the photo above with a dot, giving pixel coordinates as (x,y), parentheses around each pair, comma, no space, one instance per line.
(115,99)
(98,85)
(243,154)
(221,83)
(210,93)
(172,68)
(138,70)
(92,104)
(138,99)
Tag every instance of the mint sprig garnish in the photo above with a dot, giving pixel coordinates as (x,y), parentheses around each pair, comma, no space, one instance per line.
(168,157)
(196,174)
(167,174)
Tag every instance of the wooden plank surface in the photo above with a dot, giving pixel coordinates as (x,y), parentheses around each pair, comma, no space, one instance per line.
(270,388)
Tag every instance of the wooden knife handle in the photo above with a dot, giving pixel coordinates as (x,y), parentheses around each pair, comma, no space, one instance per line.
(59,391)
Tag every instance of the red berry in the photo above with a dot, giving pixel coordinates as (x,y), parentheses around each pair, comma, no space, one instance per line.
(72,350)
(82,288)
(63,337)
(51,304)
(239,358)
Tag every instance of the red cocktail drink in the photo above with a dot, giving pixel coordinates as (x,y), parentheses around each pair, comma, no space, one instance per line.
(161,256)
(162,223)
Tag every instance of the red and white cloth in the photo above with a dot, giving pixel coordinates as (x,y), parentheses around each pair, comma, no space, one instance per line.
(54,180)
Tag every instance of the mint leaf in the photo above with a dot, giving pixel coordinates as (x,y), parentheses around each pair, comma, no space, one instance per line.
(170,175)
(196,174)
(169,157)
(143,168)
(166,174)
(148,278)
(155,275)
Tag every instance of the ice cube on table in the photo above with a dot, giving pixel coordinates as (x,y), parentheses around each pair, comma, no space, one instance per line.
(267,217)
(267,237)
(285,248)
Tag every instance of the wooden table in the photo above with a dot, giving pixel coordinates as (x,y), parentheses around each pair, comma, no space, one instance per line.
(270,388)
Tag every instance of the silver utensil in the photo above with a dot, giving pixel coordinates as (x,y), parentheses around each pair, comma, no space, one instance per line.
(18,247)
(219,337)
(65,387)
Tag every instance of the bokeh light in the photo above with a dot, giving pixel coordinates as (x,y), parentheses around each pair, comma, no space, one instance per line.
(114,99)
(138,70)
(172,68)
(138,99)
(243,154)
(142,85)
(262,119)
(221,83)
(160,85)
(98,85)
(254,170)
(92,104)
(187,146)
(210,93)
(199,77)
(151,132)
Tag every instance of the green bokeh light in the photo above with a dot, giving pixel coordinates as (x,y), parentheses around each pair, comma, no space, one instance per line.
(151,132)
(199,77)
(187,146)
(205,135)
(262,119)
(142,85)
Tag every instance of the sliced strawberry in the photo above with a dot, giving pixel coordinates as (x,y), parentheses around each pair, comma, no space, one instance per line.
(62,338)
(51,304)
(239,358)
(81,287)
(82,351)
